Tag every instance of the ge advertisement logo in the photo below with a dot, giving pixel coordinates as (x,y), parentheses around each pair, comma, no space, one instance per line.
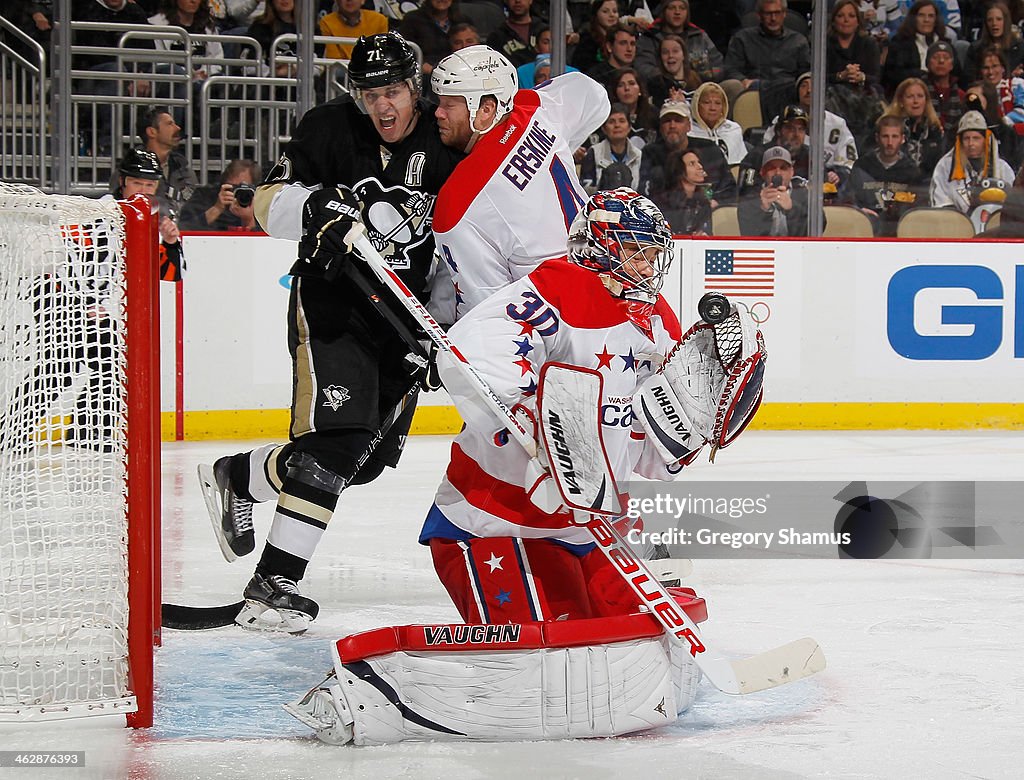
(965,331)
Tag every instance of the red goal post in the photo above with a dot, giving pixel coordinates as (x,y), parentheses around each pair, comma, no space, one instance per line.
(79,456)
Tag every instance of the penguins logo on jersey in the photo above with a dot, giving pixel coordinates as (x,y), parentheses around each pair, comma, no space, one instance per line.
(397,219)
(336,396)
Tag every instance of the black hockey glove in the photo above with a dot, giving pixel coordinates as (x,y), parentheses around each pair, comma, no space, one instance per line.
(328,219)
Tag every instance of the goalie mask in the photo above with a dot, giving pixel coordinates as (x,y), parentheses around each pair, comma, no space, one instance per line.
(474,73)
(624,236)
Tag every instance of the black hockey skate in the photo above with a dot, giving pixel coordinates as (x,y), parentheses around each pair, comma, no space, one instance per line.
(274,603)
(669,571)
(230,514)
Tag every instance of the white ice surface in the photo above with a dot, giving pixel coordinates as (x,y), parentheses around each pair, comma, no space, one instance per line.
(924,677)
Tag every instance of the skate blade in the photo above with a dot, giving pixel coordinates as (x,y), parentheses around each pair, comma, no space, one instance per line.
(211,495)
(316,710)
(255,616)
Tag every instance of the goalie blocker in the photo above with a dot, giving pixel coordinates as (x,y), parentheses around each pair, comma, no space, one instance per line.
(515,681)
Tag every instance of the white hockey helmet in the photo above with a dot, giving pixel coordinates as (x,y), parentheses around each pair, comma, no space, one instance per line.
(474,73)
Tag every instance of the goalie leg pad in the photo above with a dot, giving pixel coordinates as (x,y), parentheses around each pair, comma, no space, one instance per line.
(448,683)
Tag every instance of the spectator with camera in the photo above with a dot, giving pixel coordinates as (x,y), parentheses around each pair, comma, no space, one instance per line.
(226,206)
(780,206)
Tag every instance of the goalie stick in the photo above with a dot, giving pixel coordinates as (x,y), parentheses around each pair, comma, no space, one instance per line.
(185,618)
(560,389)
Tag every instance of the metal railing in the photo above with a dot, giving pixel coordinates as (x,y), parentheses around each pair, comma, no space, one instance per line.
(241,110)
(23,115)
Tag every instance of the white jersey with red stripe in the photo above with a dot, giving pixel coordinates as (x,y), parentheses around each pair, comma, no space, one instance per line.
(508,206)
(563,313)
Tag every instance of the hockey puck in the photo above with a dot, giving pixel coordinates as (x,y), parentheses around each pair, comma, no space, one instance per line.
(714,307)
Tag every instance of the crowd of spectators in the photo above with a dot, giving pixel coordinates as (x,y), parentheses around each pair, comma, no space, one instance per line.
(924,98)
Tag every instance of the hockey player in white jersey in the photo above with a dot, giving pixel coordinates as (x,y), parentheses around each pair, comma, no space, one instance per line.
(576,659)
(509,204)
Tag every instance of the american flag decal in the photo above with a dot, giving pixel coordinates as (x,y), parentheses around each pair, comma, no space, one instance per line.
(740,273)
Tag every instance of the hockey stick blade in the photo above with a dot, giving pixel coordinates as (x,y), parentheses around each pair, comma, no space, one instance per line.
(184,618)
(788,663)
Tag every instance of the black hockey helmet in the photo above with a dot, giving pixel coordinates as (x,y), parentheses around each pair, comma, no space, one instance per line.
(140,164)
(382,59)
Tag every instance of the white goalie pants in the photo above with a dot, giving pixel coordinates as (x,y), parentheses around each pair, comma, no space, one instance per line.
(507,682)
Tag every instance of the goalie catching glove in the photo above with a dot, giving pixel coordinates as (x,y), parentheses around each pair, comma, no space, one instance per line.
(331,222)
(707,390)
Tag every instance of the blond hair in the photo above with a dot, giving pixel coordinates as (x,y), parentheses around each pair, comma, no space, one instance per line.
(895,108)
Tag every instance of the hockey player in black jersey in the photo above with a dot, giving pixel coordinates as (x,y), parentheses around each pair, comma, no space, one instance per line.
(372,160)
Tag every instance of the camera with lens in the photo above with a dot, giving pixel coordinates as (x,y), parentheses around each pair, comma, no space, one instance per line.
(244,193)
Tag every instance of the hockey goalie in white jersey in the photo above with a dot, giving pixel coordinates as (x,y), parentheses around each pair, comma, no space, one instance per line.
(577,656)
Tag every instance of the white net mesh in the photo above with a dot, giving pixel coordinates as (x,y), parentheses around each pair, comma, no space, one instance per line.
(63,511)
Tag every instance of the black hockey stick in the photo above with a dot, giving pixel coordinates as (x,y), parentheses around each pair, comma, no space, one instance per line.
(184,618)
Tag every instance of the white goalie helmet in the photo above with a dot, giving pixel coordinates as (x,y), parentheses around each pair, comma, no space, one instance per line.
(474,73)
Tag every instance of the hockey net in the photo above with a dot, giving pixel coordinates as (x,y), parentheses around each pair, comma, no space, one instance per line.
(79,438)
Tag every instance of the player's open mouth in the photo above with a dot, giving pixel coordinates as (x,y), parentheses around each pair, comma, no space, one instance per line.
(387,122)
